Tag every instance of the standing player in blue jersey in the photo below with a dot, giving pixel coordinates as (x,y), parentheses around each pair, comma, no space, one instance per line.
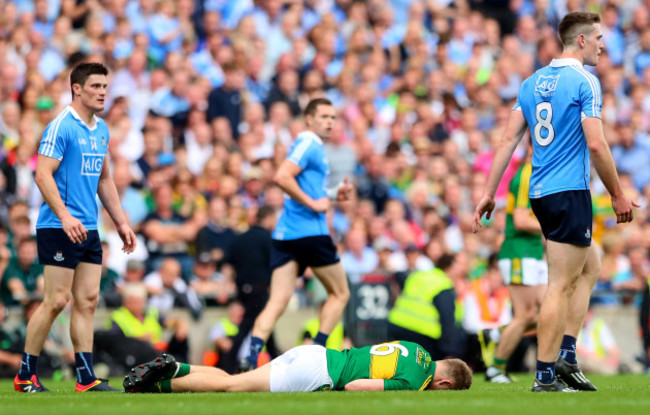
(72,170)
(301,238)
(561,106)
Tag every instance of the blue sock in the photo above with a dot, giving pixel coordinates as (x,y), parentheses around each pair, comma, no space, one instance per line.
(257,345)
(321,338)
(84,364)
(27,366)
(568,349)
(545,372)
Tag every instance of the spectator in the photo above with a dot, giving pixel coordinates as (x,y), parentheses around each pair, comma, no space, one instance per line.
(135,330)
(358,258)
(223,333)
(211,287)
(216,237)
(168,290)
(286,91)
(108,284)
(168,234)
(11,348)
(226,100)
(22,280)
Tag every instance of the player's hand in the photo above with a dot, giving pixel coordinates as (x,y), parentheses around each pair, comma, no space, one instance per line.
(321,205)
(485,206)
(75,230)
(345,191)
(128,238)
(624,208)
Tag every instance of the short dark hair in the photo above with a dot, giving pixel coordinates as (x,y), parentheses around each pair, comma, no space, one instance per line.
(313,105)
(27,240)
(574,24)
(82,72)
(264,212)
(445,261)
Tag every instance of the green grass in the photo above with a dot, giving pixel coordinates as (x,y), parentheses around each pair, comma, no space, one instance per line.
(629,394)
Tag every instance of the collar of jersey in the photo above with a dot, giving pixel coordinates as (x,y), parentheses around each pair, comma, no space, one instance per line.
(76,115)
(557,63)
(312,135)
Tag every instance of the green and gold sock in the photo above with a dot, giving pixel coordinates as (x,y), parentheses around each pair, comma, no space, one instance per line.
(182,369)
(165,386)
(500,364)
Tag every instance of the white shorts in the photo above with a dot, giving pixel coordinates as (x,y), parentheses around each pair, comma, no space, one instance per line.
(301,369)
(523,271)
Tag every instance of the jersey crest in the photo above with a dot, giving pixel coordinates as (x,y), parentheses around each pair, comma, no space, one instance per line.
(546,85)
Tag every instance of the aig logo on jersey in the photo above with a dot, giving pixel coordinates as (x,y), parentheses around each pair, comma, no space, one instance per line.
(546,85)
(91,164)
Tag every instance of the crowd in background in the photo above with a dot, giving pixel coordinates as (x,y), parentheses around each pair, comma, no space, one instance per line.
(205,98)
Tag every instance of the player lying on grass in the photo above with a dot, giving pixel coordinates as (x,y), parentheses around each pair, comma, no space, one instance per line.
(388,366)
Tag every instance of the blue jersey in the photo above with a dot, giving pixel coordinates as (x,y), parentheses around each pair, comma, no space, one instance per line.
(81,151)
(297,220)
(554,101)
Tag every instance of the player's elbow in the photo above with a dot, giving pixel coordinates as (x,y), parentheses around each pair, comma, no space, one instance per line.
(596,147)
(39,178)
(280,178)
(352,387)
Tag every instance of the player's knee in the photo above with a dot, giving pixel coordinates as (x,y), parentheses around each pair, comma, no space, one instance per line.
(530,316)
(87,303)
(57,304)
(563,288)
(344,294)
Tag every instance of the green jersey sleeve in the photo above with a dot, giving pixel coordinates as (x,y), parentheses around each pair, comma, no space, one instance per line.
(396,385)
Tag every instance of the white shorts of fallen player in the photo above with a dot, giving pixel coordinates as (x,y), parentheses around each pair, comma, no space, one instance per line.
(301,369)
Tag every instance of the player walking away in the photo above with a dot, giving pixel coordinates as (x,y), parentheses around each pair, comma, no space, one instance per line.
(522,267)
(301,238)
(561,105)
(389,366)
(72,169)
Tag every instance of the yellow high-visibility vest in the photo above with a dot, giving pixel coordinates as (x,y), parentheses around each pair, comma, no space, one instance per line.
(414,309)
(132,327)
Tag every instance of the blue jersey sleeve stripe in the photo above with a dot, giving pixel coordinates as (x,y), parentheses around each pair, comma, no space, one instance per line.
(595,91)
(598,97)
(591,85)
(300,150)
(50,133)
(50,139)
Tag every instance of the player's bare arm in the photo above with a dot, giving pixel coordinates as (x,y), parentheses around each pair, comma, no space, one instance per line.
(285,177)
(512,136)
(365,385)
(107,193)
(44,179)
(168,233)
(604,164)
(524,221)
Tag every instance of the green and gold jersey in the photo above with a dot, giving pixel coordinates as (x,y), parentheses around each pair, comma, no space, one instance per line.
(520,244)
(402,365)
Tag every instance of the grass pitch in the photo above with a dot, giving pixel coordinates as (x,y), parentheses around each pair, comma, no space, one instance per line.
(628,394)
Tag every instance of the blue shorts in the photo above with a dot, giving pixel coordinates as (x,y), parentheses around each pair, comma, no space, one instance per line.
(55,248)
(312,251)
(565,217)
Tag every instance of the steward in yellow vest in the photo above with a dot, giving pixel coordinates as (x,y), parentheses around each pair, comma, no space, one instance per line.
(425,312)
